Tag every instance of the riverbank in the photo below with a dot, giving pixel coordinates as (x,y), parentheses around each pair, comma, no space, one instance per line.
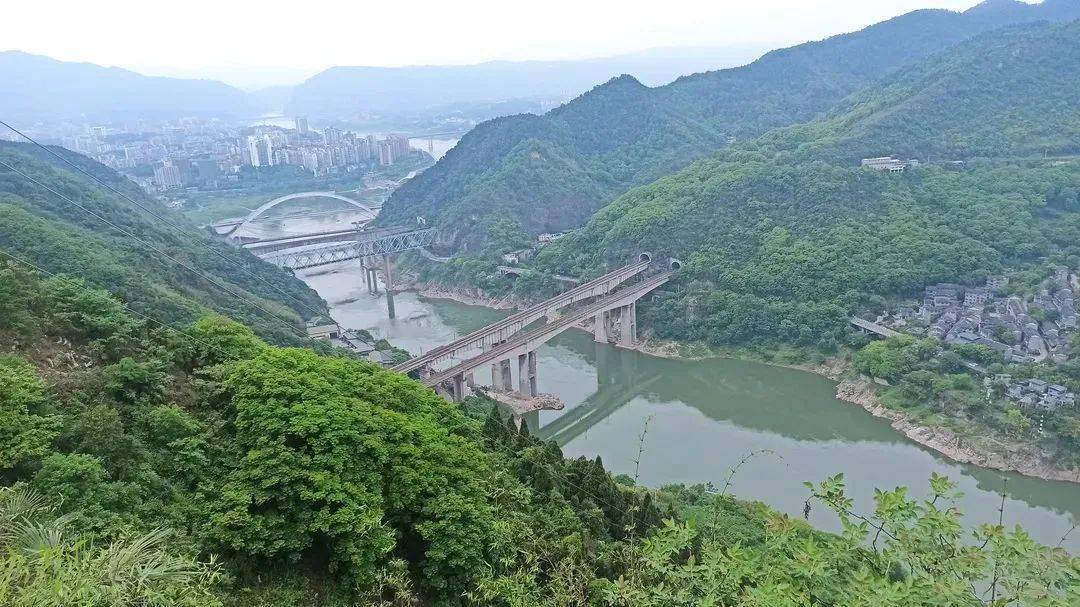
(860,391)
(1017,458)
(469,297)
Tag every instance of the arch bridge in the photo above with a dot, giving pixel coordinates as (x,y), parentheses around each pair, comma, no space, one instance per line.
(266,206)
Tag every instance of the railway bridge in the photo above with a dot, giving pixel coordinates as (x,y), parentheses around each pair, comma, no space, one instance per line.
(613,312)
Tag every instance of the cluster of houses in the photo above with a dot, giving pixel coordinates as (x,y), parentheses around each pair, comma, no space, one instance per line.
(1010,325)
(1034,393)
(351,340)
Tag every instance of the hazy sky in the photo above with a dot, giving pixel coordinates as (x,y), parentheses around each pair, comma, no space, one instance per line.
(193,34)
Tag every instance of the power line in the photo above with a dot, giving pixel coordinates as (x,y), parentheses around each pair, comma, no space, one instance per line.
(182,264)
(160,218)
(122,304)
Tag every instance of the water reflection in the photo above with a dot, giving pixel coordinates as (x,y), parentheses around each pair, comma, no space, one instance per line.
(703,417)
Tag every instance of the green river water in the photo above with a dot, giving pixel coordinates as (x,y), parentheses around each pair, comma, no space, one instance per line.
(705,416)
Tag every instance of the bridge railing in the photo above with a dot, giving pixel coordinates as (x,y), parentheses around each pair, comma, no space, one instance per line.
(520,319)
(369,247)
(543,333)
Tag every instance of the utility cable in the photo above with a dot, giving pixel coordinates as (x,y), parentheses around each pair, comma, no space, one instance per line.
(162,219)
(164,325)
(189,267)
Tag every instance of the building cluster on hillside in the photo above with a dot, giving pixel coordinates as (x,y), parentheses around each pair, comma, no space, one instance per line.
(319,153)
(349,339)
(1033,393)
(890,164)
(1021,330)
(208,153)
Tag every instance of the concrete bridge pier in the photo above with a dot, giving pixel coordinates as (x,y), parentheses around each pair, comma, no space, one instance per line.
(372,280)
(628,325)
(507,380)
(527,374)
(500,376)
(600,327)
(459,388)
(389,287)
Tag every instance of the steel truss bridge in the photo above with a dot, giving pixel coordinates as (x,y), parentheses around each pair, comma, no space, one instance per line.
(365,244)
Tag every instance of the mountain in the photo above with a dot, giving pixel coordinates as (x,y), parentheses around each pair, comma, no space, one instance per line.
(38,88)
(347,92)
(785,236)
(552,172)
(55,235)
(1007,94)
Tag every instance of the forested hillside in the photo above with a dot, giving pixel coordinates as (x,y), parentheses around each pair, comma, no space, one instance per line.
(552,172)
(116,245)
(785,236)
(1005,94)
(202,467)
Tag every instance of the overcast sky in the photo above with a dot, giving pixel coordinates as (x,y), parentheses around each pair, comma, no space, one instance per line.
(189,35)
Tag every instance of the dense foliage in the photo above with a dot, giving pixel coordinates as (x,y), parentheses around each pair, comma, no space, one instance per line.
(322,480)
(934,387)
(552,172)
(783,237)
(51,233)
(777,252)
(282,460)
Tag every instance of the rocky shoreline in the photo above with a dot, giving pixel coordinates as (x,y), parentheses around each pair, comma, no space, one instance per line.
(469,297)
(946,442)
(860,392)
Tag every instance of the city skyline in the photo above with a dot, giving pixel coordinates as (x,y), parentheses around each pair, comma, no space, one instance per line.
(460,34)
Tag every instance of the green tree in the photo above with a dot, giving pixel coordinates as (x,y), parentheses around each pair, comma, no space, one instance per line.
(343,458)
(25,430)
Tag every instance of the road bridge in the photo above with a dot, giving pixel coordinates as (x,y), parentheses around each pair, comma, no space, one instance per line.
(877,329)
(266,246)
(500,331)
(873,327)
(233,227)
(342,247)
(523,346)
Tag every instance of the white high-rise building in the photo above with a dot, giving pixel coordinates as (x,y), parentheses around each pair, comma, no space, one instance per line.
(253,151)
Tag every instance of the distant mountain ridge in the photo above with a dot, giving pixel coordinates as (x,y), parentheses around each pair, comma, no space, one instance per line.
(1005,96)
(343,92)
(38,88)
(784,237)
(623,134)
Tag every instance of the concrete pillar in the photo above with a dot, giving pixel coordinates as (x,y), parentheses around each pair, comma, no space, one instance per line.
(507,379)
(628,325)
(443,392)
(496,378)
(523,373)
(389,286)
(373,281)
(600,333)
(532,374)
(470,381)
(459,387)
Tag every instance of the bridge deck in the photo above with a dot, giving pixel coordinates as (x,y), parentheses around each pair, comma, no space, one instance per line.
(365,244)
(539,335)
(518,321)
(873,327)
(273,245)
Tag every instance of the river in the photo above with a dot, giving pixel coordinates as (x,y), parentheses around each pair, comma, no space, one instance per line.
(703,417)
